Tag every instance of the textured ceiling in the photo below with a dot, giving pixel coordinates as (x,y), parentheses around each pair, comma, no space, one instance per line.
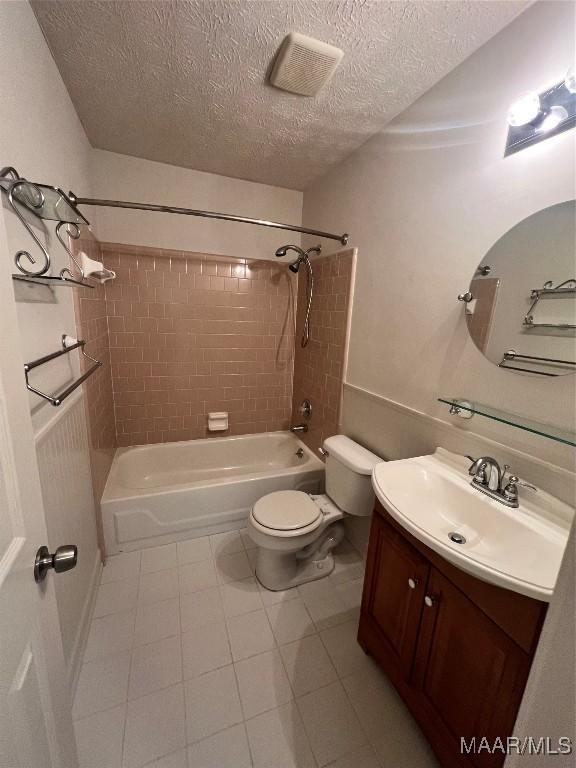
(184,81)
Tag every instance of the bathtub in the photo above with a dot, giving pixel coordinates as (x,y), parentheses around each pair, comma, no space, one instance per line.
(157,494)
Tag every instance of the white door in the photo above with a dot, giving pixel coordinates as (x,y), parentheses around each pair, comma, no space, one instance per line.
(35,710)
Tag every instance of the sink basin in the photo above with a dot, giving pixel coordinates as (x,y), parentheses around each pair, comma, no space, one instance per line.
(519,549)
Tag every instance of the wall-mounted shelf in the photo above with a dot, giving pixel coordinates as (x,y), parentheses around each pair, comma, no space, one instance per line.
(511,419)
(51,281)
(564,290)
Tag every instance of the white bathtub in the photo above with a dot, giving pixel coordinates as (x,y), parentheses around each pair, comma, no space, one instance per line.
(157,494)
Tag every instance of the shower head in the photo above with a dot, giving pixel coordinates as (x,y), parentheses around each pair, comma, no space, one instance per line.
(295,266)
(285,248)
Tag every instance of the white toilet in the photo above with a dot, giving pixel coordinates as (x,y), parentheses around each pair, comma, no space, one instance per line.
(295,532)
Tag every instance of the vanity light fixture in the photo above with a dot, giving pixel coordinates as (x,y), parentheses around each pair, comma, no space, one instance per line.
(536,116)
(570,80)
(552,119)
(524,110)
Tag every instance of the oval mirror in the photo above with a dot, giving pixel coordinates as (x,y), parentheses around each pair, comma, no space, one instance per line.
(521,304)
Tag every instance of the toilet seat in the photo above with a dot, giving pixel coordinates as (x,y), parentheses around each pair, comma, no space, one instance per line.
(287,513)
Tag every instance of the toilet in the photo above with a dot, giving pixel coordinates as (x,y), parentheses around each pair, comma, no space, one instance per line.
(295,531)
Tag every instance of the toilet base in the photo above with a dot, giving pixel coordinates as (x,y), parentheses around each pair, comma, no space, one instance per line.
(278,571)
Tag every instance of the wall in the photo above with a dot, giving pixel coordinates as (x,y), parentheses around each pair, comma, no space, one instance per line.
(41,136)
(92,325)
(424,201)
(319,367)
(121,177)
(549,706)
(192,333)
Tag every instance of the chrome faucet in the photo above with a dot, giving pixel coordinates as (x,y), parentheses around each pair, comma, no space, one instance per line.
(299,428)
(487,472)
(488,477)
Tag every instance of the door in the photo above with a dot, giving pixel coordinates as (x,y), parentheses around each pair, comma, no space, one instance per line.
(473,699)
(35,711)
(395,588)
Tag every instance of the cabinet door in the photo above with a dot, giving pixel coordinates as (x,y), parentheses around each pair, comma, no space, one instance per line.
(470,672)
(394,591)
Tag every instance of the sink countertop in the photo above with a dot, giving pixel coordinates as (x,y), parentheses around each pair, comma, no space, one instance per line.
(518,549)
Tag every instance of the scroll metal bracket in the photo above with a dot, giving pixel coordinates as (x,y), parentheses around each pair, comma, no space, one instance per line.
(12,183)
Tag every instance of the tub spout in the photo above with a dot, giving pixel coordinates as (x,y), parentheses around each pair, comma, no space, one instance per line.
(299,428)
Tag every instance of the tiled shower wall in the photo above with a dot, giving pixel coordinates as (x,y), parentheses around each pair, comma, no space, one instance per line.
(319,367)
(192,333)
(182,334)
(92,325)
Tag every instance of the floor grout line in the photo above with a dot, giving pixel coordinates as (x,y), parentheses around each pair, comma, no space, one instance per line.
(277,645)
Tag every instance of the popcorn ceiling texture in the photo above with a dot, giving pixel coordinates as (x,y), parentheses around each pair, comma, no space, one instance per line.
(192,333)
(185,82)
(319,367)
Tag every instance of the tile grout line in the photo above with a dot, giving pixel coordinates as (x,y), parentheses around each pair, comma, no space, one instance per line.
(277,645)
(238,691)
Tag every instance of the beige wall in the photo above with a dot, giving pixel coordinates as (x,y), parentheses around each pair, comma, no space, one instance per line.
(41,136)
(128,178)
(424,201)
(549,705)
(92,325)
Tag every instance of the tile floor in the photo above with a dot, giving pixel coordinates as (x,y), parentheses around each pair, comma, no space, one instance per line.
(190,664)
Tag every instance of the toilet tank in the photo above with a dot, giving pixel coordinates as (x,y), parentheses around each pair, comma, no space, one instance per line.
(349,475)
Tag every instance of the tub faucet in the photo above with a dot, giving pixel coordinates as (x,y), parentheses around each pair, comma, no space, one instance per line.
(299,428)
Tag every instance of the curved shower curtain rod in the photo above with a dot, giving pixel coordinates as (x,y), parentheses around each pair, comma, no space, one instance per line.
(343,239)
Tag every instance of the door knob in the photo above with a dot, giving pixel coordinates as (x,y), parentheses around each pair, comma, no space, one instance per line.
(64,559)
(412,583)
(430,601)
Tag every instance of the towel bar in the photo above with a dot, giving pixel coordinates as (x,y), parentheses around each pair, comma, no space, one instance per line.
(57,400)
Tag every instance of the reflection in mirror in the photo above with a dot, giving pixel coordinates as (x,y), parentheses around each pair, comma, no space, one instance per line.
(522,311)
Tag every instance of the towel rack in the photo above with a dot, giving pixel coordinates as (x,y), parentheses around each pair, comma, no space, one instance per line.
(66,347)
(513,355)
(567,288)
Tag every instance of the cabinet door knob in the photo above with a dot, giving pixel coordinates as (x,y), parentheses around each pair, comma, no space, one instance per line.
(430,601)
(412,583)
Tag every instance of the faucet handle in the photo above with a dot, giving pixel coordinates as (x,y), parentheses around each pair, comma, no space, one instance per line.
(510,491)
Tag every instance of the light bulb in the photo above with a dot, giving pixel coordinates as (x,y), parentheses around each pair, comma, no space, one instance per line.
(524,110)
(552,119)
(570,80)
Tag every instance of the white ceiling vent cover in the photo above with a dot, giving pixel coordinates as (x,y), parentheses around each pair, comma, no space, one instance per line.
(304,65)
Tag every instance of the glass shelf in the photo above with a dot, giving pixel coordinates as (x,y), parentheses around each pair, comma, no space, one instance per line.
(512,419)
(50,280)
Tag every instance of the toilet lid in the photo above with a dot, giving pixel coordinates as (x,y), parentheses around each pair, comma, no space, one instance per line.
(286,510)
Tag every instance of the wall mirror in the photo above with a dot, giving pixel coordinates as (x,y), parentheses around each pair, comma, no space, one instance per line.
(521,304)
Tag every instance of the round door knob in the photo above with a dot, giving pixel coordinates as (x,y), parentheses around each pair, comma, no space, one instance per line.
(430,601)
(412,583)
(64,559)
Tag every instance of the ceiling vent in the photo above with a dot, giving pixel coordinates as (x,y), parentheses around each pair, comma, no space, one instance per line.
(304,65)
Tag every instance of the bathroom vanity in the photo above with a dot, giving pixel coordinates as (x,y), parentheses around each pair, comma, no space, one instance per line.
(457,649)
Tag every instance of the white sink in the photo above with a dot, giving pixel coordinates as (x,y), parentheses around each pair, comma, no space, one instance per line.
(520,549)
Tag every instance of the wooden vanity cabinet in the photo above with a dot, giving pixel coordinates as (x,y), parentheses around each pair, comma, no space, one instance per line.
(457,649)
